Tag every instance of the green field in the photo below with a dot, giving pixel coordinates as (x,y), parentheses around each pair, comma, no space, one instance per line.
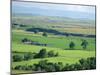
(57,43)
(57,23)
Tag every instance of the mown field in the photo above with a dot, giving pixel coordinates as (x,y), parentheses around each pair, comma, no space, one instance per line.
(57,43)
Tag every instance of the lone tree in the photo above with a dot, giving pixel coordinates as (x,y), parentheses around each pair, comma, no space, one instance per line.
(71,45)
(44,34)
(84,44)
(42,53)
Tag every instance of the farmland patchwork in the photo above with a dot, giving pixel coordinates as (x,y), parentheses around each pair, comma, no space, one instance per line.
(51,43)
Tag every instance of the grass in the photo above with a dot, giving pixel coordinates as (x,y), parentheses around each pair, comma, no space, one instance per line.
(56,43)
(17,72)
(68,56)
(81,30)
(59,44)
(57,23)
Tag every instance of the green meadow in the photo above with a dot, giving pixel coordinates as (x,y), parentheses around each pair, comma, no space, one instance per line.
(57,43)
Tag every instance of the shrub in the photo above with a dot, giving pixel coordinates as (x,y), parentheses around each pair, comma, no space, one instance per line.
(58,66)
(45,66)
(71,45)
(17,58)
(66,67)
(89,63)
(42,53)
(28,56)
(24,40)
(18,67)
(50,67)
(44,34)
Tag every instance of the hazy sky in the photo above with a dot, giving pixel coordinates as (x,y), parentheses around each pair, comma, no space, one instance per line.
(72,11)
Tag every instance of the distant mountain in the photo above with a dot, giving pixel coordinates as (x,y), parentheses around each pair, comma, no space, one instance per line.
(70,18)
(51,19)
(51,12)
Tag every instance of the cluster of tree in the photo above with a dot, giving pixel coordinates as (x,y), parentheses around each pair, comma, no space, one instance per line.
(41,54)
(45,66)
(84,44)
(55,32)
(44,33)
(37,30)
(43,30)
(25,56)
(17,58)
(18,26)
(84,64)
(30,42)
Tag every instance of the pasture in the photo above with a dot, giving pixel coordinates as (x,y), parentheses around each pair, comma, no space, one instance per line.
(57,43)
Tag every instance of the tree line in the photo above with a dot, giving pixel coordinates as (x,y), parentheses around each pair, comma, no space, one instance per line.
(45,66)
(41,54)
(55,32)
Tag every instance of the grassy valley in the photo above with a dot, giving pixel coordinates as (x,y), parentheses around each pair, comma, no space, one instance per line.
(62,45)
